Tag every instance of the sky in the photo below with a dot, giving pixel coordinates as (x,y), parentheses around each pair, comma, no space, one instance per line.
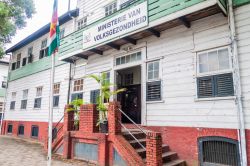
(42,17)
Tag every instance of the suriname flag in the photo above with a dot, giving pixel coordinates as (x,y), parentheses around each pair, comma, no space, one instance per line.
(54,39)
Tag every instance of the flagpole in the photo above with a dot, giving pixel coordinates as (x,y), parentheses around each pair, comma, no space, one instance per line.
(51,108)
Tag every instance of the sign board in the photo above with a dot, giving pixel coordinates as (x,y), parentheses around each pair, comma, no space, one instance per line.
(126,22)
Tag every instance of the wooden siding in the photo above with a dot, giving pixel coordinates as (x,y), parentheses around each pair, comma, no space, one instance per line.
(242,15)
(30,83)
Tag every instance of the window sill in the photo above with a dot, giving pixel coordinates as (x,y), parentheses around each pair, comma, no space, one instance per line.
(215,98)
(152,102)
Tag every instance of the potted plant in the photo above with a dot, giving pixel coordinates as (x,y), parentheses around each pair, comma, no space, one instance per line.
(105,94)
(76,108)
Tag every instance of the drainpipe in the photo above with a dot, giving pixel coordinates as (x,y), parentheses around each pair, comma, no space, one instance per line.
(237,85)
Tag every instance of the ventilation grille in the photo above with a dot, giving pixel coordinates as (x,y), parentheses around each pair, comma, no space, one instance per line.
(224,84)
(205,87)
(219,150)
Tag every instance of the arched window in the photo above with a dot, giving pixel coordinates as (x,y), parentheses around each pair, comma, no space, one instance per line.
(218,150)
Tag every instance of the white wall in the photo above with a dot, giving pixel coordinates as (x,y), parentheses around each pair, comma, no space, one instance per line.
(36,44)
(242,15)
(30,83)
(177,49)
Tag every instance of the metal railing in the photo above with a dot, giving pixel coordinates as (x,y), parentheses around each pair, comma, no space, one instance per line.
(55,131)
(137,126)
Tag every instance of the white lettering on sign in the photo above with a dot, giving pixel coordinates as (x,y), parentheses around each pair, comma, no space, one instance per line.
(123,23)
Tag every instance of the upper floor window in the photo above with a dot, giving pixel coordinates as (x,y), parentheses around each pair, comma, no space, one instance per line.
(13,96)
(56,91)
(110,8)
(1,106)
(215,78)
(39,91)
(4,82)
(24,99)
(18,61)
(30,54)
(13,66)
(81,23)
(44,49)
(78,85)
(62,31)
(154,70)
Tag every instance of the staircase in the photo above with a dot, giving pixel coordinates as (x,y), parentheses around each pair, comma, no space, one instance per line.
(169,158)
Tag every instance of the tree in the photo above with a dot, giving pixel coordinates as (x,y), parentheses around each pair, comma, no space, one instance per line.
(13,15)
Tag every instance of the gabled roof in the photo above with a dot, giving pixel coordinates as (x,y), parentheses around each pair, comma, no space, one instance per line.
(42,31)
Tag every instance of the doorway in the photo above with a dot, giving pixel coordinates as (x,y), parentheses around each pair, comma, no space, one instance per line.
(130,78)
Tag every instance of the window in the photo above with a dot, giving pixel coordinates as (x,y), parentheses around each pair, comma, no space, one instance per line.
(125,3)
(30,55)
(153,70)
(215,78)
(12,105)
(44,49)
(81,23)
(13,95)
(107,75)
(78,85)
(24,100)
(18,62)
(128,58)
(38,99)
(218,151)
(111,8)
(56,91)
(21,130)
(1,107)
(13,66)
(62,31)
(39,91)
(10,128)
(24,61)
(154,81)
(34,131)
(75,96)
(4,82)
(94,94)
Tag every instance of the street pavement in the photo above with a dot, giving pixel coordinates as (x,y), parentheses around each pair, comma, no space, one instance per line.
(19,152)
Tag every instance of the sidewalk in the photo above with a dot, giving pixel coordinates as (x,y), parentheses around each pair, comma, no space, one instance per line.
(18,152)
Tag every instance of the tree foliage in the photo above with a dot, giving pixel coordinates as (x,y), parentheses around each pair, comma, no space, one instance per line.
(13,15)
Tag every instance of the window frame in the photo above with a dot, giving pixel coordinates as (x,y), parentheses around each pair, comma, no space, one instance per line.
(82,23)
(198,74)
(18,132)
(62,33)
(113,10)
(44,49)
(18,60)
(31,131)
(10,124)
(30,55)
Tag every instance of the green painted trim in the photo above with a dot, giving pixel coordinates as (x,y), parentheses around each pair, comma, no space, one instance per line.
(33,68)
(2,92)
(238,3)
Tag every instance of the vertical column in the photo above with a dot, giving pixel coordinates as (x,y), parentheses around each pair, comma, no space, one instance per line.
(68,119)
(88,118)
(154,149)
(103,151)
(114,118)
(67,145)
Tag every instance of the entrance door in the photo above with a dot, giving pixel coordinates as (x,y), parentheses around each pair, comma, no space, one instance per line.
(131,103)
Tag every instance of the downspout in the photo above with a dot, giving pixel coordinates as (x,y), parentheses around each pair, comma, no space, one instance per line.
(237,85)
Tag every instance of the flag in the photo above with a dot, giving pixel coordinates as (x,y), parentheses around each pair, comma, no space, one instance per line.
(54,40)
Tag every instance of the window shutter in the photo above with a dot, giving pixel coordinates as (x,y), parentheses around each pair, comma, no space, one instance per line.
(94,95)
(24,61)
(154,91)
(41,54)
(30,58)
(46,51)
(224,85)
(205,87)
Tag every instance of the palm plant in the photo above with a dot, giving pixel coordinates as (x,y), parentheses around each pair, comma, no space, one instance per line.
(76,108)
(105,94)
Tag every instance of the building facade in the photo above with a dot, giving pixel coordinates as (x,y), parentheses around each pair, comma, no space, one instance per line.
(185,66)
(4,67)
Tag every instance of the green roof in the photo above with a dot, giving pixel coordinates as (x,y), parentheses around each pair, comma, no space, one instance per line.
(2,92)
